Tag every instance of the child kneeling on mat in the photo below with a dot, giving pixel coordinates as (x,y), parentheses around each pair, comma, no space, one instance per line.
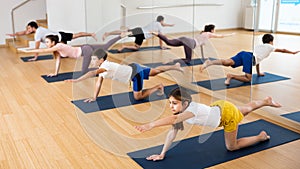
(219,113)
(124,73)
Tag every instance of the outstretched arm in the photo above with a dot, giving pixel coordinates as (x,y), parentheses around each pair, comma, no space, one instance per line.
(286,51)
(166,24)
(166,121)
(214,35)
(168,142)
(25,32)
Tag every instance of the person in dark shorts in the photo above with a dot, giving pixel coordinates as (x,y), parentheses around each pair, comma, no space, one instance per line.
(141,33)
(41,33)
(125,73)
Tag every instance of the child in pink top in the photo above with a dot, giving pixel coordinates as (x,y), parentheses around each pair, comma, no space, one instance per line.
(62,50)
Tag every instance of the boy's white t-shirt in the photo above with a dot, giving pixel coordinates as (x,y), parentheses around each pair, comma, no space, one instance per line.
(204,115)
(262,51)
(116,71)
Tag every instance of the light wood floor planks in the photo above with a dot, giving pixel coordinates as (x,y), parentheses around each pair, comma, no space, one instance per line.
(41,128)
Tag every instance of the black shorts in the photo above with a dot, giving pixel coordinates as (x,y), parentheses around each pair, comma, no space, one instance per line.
(65,37)
(138,34)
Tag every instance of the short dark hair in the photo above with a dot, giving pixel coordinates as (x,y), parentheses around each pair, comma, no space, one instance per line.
(100,53)
(33,24)
(53,38)
(160,18)
(209,28)
(267,38)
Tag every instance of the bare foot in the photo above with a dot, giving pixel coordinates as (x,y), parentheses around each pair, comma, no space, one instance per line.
(270,102)
(94,36)
(264,136)
(205,65)
(104,36)
(228,78)
(161,90)
(178,67)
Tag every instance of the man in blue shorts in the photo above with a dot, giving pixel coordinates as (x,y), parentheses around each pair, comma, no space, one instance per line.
(247,60)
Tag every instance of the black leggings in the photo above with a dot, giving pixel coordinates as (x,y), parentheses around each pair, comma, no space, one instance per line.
(87,52)
(188,44)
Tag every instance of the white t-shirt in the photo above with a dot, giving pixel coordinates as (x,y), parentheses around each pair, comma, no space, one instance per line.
(262,51)
(204,115)
(41,33)
(152,27)
(116,71)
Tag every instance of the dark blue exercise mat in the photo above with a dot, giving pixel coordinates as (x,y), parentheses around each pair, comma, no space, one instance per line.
(218,84)
(194,62)
(147,48)
(43,57)
(64,76)
(293,116)
(189,153)
(121,100)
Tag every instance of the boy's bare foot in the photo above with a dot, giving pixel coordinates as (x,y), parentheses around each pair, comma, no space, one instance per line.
(228,79)
(270,102)
(264,136)
(104,36)
(205,65)
(161,90)
(178,67)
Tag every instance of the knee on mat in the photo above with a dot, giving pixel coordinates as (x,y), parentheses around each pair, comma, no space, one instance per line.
(232,147)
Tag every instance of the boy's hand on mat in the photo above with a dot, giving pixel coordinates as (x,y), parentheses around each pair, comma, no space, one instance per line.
(89,100)
(51,75)
(156,157)
(261,74)
(33,59)
(163,48)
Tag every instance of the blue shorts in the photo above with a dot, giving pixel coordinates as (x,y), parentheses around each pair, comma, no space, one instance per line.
(139,73)
(244,59)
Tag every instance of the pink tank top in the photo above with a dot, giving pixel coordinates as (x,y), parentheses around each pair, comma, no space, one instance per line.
(68,51)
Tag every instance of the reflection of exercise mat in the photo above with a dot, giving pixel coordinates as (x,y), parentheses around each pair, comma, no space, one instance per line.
(293,116)
(218,84)
(189,153)
(141,49)
(193,62)
(121,100)
(63,76)
(43,57)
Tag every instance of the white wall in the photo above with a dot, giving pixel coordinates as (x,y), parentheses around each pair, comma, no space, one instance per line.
(228,15)
(22,15)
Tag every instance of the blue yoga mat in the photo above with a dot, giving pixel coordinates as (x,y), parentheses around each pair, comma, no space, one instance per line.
(293,116)
(43,57)
(193,62)
(218,84)
(64,76)
(120,100)
(189,153)
(147,48)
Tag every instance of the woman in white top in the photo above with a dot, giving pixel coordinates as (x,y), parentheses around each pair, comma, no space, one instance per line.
(220,113)
(124,73)
(61,50)
(191,43)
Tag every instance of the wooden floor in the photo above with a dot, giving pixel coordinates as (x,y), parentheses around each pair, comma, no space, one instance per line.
(41,128)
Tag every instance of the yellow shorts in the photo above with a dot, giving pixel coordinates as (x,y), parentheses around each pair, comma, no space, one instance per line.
(230,115)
